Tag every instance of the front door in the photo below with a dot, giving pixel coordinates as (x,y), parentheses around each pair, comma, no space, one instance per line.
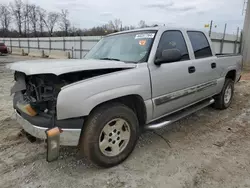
(172,82)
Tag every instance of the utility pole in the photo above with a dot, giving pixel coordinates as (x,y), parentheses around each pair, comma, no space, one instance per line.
(210,29)
(246,39)
(222,41)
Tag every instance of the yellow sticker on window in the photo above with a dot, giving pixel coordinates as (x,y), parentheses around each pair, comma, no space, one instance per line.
(142,42)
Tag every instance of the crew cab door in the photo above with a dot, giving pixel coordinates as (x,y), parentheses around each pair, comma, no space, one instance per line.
(172,81)
(205,63)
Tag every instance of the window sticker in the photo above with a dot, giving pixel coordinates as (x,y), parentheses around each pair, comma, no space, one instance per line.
(142,42)
(145,36)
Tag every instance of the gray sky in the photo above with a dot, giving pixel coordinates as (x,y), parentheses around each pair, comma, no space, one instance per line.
(183,13)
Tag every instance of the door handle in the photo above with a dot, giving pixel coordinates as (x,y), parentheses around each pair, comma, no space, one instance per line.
(213,65)
(191,69)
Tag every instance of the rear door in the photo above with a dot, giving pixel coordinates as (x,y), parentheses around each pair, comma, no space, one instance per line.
(204,61)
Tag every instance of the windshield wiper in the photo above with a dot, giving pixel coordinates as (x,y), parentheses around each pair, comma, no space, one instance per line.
(112,59)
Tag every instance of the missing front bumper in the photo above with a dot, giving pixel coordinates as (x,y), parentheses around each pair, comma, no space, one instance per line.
(68,137)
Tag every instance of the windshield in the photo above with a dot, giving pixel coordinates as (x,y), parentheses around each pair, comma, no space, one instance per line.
(127,47)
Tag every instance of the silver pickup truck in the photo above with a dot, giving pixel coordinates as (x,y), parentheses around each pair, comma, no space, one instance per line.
(130,81)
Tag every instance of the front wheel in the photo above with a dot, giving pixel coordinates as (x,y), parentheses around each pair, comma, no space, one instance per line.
(224,99)
(110,134)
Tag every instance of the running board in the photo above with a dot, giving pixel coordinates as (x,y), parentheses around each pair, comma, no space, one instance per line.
(178,115)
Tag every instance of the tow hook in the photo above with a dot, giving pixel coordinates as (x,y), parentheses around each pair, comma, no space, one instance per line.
(53,143)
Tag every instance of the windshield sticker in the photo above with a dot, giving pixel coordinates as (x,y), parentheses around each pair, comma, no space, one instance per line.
(145,36)
(142,42)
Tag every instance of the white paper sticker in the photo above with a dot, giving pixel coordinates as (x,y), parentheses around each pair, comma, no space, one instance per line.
(145,36)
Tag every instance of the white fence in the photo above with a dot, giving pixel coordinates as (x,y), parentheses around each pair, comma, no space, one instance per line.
(79,46)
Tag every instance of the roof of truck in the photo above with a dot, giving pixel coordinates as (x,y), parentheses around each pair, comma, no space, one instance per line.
(156,29)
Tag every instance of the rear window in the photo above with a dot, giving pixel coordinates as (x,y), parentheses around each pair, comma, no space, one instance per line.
(200,44)
(2,44)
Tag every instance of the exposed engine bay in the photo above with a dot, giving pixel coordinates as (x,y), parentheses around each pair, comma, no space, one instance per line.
(41,90)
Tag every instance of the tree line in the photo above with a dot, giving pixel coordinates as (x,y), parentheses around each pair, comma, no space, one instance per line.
(30,20)
(20,19)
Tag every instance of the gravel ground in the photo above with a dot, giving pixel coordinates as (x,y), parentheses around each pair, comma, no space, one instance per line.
(208,149)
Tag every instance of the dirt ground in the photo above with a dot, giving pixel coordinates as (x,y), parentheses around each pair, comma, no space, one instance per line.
(210,148)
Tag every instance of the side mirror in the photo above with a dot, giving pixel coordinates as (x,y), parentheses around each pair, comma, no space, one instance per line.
(167,56)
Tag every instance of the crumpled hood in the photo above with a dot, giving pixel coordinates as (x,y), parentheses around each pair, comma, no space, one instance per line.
(59,66)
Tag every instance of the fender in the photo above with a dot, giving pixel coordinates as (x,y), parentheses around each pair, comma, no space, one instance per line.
(221,80)
(233,64)
(234,68)
(79,99)
(84,107)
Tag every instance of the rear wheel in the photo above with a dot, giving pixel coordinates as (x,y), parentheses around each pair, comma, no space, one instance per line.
(224,99)
(110,134)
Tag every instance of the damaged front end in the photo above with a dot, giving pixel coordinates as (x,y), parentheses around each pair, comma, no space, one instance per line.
(36,96)
(35,100)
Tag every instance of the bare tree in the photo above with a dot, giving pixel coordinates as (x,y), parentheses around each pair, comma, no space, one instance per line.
(117,24)
(17,12)
(26,18)
(111,25)
(41,16)
(65,23)
(5,18)
(125,28)
(33,16)
(131,27)
(51,21)
(142,24)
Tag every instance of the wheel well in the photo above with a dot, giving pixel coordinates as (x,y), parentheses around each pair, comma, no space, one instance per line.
(134,102)
(231,74)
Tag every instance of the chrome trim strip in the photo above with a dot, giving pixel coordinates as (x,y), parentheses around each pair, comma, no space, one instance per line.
(165,115)
(182,93)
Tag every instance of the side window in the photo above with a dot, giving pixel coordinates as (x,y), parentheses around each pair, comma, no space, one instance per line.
(172,40)
(200,44)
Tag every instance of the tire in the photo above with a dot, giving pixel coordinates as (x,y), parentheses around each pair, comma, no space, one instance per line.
(109,125)
(221,102)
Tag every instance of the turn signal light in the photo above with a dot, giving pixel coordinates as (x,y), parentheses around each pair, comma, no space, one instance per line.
(27,109)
